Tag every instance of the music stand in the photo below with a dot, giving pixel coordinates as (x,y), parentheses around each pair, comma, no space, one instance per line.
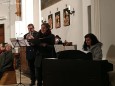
(19,42)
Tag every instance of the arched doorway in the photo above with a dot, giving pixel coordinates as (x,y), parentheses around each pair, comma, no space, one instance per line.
(2,33)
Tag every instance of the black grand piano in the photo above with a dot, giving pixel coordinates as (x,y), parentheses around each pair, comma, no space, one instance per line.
(75,71)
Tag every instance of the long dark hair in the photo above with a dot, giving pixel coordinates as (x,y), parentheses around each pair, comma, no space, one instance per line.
(93,38)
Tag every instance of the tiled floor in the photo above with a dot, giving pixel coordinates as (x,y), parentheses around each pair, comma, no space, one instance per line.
(24,80)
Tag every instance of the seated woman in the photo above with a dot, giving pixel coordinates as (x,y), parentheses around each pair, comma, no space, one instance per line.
(6,60)
(91,44)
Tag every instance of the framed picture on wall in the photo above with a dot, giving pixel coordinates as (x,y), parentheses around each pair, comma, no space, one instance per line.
(50,20)
(18,8)
(57,20)
(66,17)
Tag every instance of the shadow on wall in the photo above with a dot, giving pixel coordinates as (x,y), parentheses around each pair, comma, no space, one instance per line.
(111,58)
(111,52)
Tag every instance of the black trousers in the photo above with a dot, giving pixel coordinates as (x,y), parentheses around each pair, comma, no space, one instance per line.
(32,69)
(38,73)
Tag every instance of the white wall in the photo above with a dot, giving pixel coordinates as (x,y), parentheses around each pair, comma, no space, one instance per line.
(30,14)
(107,15)
(7,9)
(85,5)
(27,16)
(37,14)
(77,28)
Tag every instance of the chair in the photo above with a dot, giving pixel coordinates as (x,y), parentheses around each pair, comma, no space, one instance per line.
(110,56)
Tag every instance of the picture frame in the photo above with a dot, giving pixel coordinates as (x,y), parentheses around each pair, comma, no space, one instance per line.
(57,20)
(66,17)
(18,8)
(50,20)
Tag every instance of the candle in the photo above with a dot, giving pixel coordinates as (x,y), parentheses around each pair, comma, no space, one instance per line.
(42,18)
(69,7)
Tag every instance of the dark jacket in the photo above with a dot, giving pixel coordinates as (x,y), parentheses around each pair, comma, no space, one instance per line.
(30,50)
(47,51)
(6,61)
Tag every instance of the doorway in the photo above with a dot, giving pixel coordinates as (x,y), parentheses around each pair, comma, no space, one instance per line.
(89,18)
(2,33)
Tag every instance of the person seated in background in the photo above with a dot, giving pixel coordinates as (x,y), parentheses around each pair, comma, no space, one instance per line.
(92,44)
(2,47)
(58,40)
(6,60)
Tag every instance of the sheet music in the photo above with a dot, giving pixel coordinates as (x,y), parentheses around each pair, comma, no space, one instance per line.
(18,42)
(21,41)
(14,42)
(69,47)
(59,48)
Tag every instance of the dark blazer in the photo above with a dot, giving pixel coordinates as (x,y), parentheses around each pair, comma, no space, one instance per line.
(30,50)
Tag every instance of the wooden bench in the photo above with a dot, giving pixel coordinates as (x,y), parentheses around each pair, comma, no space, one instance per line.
(9,77)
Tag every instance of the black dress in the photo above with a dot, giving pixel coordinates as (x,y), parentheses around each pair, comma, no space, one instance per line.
(46,51)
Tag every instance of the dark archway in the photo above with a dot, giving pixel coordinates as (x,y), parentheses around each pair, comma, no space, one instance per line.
(2,38)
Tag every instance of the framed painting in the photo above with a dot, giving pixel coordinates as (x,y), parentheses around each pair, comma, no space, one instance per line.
(57,20)
(50,20)
(18,8)
(66,17)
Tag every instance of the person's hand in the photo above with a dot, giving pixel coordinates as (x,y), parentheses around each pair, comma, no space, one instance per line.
(29,36)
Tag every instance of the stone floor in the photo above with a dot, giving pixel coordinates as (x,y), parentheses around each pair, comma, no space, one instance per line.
(24,80)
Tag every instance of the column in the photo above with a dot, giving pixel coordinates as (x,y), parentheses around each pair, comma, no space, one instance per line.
(95,18)
(37,14)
